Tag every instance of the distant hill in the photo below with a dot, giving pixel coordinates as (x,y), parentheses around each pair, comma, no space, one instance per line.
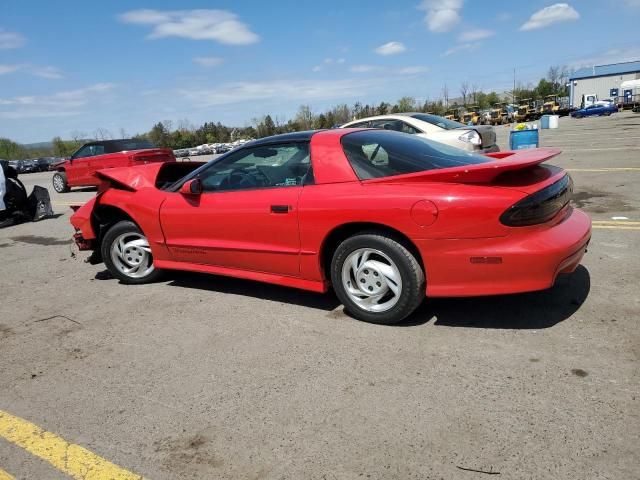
(36,146)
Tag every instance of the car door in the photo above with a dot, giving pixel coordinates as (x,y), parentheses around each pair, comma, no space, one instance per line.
(247,216)
(79,165)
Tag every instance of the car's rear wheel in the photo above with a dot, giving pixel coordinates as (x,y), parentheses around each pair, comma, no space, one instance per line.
(127,254)
(377,278)
(59,181)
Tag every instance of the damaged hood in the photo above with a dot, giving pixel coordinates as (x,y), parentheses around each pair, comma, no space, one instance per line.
(132,178)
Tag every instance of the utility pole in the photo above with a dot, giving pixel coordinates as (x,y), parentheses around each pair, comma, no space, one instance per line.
(514,86)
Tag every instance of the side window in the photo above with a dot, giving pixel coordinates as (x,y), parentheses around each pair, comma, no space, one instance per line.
(266,166)
(406,128)
(83,152)
(396,125)
(360,125)
(97,150)
(90,151)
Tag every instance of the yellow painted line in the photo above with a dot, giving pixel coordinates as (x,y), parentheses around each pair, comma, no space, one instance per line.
(615,227)
(74,460)
(604,169)
(614,222)
(5,476)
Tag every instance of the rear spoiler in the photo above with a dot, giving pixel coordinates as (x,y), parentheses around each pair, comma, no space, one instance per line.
(480,172)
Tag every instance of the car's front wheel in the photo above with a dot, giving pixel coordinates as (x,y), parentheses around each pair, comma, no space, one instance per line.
(127,254)
(377,278)
(59,181)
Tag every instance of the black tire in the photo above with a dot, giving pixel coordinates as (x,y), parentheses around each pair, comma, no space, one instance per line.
(59,181)
(121,228)
(413,278)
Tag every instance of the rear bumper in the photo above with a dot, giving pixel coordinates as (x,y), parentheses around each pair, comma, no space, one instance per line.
(529,259)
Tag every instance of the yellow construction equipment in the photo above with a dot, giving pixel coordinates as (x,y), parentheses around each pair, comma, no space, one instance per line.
(450,114)
(472,115)
(551,105)
(524,110)
(499,114)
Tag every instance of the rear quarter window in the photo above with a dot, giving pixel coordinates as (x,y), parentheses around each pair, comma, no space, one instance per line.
(383,153)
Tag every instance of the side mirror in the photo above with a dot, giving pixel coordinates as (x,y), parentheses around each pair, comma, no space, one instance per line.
(191,187)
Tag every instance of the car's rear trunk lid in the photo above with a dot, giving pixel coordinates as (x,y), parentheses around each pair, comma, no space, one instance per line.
(151,155)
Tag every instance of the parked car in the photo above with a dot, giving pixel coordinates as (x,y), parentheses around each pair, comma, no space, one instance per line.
(480,138)
(43,163)
(79,170)
(28,166)
(596,109)
(381,216)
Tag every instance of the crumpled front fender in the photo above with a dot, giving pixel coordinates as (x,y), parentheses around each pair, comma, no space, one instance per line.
(81,220)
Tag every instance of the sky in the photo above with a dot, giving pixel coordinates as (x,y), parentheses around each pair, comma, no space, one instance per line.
(70,67)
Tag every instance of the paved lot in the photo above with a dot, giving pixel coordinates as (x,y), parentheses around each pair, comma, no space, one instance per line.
(209,377)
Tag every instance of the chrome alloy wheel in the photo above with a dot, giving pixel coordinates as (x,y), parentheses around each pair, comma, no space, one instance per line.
(372,280)
(131,254)
(58,183)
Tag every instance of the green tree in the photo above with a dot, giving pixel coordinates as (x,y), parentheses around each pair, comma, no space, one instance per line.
(407,104)
(159,135)
(304,118)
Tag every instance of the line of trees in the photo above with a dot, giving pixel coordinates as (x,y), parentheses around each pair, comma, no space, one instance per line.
(186,135)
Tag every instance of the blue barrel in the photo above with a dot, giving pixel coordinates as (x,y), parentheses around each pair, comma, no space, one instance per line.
(520,139)
(544,121)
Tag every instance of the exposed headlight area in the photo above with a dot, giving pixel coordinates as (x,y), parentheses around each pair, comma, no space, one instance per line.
(471,137)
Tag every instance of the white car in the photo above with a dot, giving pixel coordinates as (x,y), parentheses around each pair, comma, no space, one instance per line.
(478,139)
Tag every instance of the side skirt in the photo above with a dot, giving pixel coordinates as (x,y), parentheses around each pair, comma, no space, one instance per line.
(311,285)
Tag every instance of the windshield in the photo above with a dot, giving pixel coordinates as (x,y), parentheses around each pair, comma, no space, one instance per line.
(384,153)
(438,121)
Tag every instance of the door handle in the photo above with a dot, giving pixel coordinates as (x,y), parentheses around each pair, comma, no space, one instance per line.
(280,208)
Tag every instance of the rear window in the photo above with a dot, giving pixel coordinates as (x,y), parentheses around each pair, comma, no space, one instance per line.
(383,153)
(438,121)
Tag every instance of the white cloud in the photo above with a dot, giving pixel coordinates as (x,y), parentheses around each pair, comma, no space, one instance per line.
(51,73)
(412,70)
(61,104)
(558,12)
(613,55)
(390,48)
(363,68)
(48,72)
(341,61)
(218,25)
(317,68)
(4,69)
(208,62)
(465,47)
(293,90)
(442,15)
(503,17)
(475,35)
(9,40)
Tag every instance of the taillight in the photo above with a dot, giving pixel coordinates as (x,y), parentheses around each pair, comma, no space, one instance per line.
(540,207)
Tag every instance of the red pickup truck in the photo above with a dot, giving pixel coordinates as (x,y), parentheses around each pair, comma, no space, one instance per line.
(79,170)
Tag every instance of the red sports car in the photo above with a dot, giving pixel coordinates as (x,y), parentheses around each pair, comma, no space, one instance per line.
(384,217)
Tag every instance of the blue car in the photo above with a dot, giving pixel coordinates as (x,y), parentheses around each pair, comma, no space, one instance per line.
(592,110)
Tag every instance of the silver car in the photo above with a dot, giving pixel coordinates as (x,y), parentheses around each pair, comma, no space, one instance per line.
(478,139)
